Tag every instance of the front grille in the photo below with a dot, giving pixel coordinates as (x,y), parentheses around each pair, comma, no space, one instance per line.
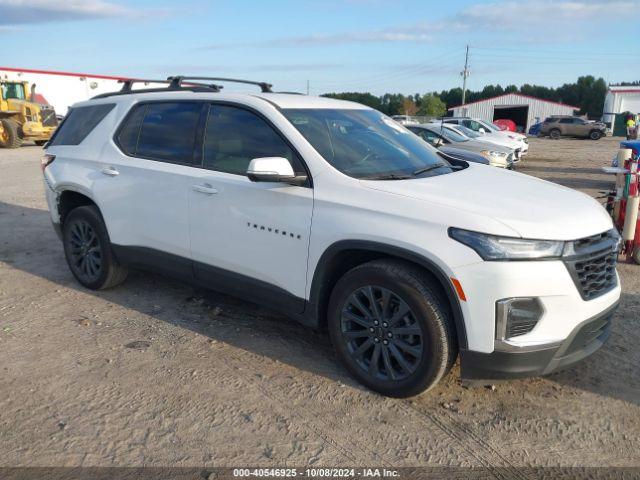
(592,263)
(48,117)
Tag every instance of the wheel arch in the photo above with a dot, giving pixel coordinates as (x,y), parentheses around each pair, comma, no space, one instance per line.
(344,255)
(70,198)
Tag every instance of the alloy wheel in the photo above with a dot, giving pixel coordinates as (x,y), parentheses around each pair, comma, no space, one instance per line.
(85,250)
(382,334)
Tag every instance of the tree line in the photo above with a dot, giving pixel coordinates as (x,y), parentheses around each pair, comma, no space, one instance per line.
(587,93)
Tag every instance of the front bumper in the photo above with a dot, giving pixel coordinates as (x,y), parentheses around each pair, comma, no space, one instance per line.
(512,362)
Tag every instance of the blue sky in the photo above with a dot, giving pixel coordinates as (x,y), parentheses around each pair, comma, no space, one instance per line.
(405,46)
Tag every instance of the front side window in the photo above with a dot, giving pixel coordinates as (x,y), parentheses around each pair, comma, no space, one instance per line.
(235,136)
(567,120)
(366,144)
(168,132)
(79,122)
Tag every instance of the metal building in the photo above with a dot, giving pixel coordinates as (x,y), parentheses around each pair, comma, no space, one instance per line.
(620,100)
(524,110)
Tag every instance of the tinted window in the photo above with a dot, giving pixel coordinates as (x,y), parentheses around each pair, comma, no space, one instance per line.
(235,136)
(566,120)
(79,122)
(169,131)
(130,130)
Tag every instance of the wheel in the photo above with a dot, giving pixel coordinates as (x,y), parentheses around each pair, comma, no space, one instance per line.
(88,250)
(555,134)
(595,135)
(391,329)
(11,135)
(40,142)
(636,255)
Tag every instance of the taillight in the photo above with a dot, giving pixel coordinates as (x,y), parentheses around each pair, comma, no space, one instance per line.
(47,159)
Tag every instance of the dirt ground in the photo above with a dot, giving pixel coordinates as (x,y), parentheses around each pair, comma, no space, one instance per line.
(157,373)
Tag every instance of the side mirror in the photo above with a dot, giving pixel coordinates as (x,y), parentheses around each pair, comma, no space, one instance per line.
(273,169)
(482,130)
(438,142)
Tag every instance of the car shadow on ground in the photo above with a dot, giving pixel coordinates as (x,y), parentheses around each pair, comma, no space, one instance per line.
(28,243)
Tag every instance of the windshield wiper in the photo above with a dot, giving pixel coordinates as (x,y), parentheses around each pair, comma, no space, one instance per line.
(429,168)
(391,176)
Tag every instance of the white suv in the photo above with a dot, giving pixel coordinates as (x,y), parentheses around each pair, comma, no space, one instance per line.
(338,216)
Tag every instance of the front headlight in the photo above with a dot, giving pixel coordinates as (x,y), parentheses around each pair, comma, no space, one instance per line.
(494,248)
(493,155)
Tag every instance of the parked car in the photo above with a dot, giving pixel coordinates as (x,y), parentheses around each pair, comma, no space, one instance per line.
(493,139)
(465,155)
(534,130)
(569,126)
(441,134)
(484,127)
(410,260)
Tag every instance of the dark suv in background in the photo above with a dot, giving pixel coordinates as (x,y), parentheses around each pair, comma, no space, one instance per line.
(569,126)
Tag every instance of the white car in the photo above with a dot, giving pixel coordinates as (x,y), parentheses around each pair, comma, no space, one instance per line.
(484,127)
(338,216)
(493,139)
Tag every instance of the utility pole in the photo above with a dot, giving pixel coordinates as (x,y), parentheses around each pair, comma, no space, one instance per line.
(465,74)
(307,87)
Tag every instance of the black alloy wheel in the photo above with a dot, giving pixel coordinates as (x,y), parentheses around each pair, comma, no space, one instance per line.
(382,334)
(391,327)
(85,251)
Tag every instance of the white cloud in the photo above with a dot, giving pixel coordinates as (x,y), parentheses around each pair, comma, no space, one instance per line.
(529,18)
(16,12)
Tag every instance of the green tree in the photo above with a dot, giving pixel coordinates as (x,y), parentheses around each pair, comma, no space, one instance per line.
(365,98)
(432,106)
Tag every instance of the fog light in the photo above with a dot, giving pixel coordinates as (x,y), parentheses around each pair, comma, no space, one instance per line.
(517,316)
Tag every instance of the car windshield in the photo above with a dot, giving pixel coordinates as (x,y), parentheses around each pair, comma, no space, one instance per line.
(453,135)
(490,126)
(366,144)
(468,132)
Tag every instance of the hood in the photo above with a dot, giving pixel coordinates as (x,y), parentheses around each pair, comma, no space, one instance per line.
(533,208)
(477,145)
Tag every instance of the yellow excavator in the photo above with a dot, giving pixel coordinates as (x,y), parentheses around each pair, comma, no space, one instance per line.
(22,117)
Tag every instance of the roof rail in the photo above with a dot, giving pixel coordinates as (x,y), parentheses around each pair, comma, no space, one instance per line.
(127,83)
(176,82)
(127,87)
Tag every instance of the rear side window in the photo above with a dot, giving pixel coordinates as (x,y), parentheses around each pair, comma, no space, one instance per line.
(79,123)
(169,132)
(130,130)
(164,131)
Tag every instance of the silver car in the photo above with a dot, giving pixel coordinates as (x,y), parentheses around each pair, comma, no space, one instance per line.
(440,134)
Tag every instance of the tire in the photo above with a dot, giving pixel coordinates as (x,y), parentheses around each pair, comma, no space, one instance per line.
(40,143)
(12,137)
(636,255)
(555,134)
(404,355)
(87,249)
(595,135)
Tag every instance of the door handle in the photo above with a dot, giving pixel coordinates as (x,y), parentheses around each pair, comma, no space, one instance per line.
(205,188)
(112,172)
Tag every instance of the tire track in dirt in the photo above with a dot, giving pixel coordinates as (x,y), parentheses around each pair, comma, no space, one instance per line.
(482,451)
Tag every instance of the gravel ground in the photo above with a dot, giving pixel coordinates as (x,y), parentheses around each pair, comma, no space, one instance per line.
(158,373)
